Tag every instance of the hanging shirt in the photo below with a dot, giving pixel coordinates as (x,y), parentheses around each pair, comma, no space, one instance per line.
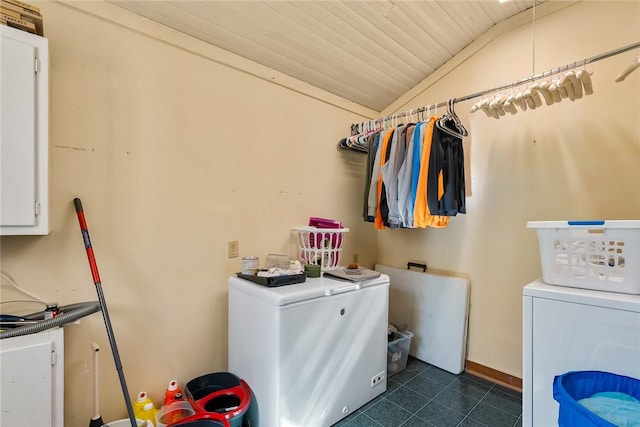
(418,140)
(446,185)
(372,146)
(386,196)
(422,217)
(405,212)
(372,201)
(390,175)
(382,209)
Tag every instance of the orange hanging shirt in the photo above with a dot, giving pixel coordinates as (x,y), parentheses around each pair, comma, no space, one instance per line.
(421,216)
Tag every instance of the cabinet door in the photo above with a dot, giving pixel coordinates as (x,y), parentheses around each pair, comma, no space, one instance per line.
(24,142)
(32,374)
(17,115)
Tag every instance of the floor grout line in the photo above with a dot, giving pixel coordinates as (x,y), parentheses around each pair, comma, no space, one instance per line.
(467,415)
(412,374)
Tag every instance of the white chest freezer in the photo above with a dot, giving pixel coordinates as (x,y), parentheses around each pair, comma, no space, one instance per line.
(569,329)
(312,352)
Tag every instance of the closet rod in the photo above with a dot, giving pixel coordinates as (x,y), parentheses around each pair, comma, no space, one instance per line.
(507,86)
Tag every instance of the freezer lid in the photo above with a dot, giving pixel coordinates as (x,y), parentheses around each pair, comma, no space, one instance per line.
(311,289)
(613,300)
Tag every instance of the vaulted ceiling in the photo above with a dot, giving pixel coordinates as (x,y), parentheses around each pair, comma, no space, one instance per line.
(369,52)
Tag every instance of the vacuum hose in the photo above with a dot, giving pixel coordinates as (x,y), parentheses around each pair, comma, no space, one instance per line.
(68,313)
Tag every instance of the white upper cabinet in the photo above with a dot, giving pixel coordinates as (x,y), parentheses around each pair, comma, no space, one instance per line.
(24,133)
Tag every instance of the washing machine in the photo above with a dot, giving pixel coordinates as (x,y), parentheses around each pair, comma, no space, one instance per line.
(570,329)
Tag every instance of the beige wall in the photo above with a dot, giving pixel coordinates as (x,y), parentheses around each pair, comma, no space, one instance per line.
(173,154)
(573,160)
(174,151)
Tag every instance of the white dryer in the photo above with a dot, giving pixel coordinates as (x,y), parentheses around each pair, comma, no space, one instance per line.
(569,329)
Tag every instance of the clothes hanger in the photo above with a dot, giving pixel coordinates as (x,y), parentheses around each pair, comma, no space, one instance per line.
(509,104)
(450,123)
(497,106)
(441,123)
(560,87)
(577,85)
(555,93)
(543,89)
(635,63)
(584,76)
(521,99)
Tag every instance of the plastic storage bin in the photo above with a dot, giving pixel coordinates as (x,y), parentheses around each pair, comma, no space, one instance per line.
(600,255)
(125,422)
(571,387)
(174,412)
(398,351)
(321,246)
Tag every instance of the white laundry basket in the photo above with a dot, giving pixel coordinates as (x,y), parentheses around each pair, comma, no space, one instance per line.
(600,255)
(321,246)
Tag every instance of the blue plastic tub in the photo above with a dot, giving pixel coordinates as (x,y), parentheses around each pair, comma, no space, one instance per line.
(570,387)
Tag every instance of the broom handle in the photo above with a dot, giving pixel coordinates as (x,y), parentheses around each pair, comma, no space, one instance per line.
(103,306)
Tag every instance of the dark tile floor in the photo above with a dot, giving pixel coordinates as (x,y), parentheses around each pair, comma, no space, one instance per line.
(426,396)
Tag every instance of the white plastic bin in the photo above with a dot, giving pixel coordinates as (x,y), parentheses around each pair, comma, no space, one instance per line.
(599,255)
(398,351)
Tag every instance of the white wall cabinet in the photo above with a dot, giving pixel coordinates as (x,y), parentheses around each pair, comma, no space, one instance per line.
(24,133)
(32,380)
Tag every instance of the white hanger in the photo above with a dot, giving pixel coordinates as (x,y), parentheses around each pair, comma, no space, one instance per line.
(521,100)
(573,85)
(497,106)
(585,78)
(577,86)
(510,104)
(555,93)
(635,63)
(527,95)
(543,89)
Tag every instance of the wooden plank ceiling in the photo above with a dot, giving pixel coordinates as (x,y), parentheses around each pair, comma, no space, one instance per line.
(369,52)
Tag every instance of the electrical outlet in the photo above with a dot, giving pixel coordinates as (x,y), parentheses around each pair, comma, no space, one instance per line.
(233,249)
(378,378)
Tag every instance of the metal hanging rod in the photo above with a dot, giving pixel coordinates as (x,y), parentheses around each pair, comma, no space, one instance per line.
(503,87)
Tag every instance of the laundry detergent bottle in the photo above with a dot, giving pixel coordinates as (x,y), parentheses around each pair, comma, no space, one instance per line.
(173,393)
(138,405)
(149,414)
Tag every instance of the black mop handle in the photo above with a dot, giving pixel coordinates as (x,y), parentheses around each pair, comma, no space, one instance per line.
(103,307)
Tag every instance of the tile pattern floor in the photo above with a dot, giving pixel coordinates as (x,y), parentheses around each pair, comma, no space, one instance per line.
(426,396)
